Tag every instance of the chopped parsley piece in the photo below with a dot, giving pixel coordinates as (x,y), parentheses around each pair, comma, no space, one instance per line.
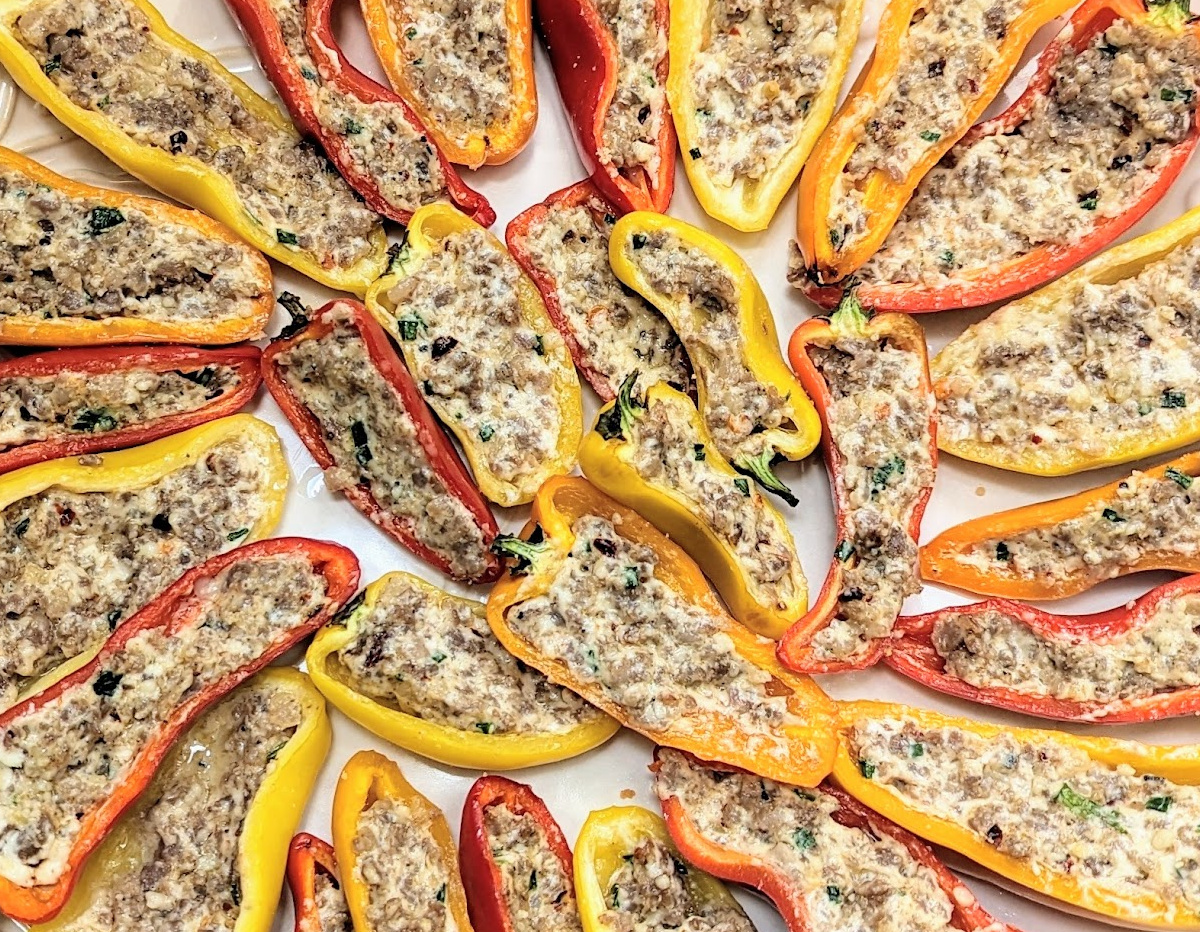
(1002,552)
(947,257)
(694,153)
(1144,408)
(237,535)
(631,577)
(178,141)
(1089,200)
(1159,803)
(486,728)
(107,682)
(441,894)
(437,656)
(409,325)
(1085,808)
(487,432)
(880,475)
(804,839)
(362,449)
(1181,477)
(743,486)
(274,752)
(104,218)
(21,527)
(844,551)
(352,127)
(203,377)
(834,893)
(916,749)
(533,880)
(1111,515)
(639,240)
(112,618)
(835,238)
(308,73)
(539,345)
(53,65)
(235,891)
(95,421)
(410,32)
(867,769)
(930,135)
(1173,399)
(698,451)
(288,239)
(702,113)
(1170,94)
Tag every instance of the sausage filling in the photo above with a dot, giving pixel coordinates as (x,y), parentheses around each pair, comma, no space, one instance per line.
(539,894)
(332,911)
(629,139)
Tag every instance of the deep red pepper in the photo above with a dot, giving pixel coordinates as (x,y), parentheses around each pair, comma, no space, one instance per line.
(262,29)
(480,873)
(308,855)
(1000,281)
(586,64)
(172,612)
(439,451)
(103,359)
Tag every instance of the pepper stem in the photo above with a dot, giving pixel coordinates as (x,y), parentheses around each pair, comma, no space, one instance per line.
(524,551)
(759,467)
(617,421)
(850,316)
(1171,14)
(298,311)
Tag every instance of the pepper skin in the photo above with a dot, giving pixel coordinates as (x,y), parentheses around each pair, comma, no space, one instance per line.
(799,752)
(481,875)
(587,64)
(430,225)
(608,460)
(308,856)
(914,655)
(850,321)
(183,177)
(748,204)
(170,613)
(271,817)
(756,326)
(944,559)
(1179,764)
(1000,281)
(367,777)
(37,330)
(448,745)
(438,450)
(462,143)
(883,198)
(105,359)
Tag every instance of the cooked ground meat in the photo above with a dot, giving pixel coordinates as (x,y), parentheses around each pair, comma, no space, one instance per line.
(182,841)
(756,74)
(629,139)
(1086,151)
(69,403)
(433,655)
(851,879)
(1045,803)
(616,330)
(879,420)
(104,57)
(1112,362)
(374,442)
(332,911)
(76,257)
(539,894)
(74,565)
(60,759)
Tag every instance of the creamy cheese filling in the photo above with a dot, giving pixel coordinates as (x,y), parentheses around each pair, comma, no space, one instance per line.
(70,403)
(59,760)
(616,330)
(947,57)
(879,420)
(1086,151)
(480,365)
(181,845)
(382,142)
(70,257)
(539,894)
(104,57)
(403,869)
(635,117)
(757,72)
(1046,804)
(650,892)
(626,634)
(434,656)
(851,879)
(74,565)
(374,443)
(332,912)
(1109,364)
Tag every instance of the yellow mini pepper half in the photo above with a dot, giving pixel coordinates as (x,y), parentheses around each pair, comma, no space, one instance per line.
(688,513)
(183,177)
(443,743)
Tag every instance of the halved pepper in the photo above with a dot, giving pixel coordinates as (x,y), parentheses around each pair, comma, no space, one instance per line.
(328,98)
(482,871)
(271,814)
(890,399)
(985,282)
(239,300)
(372,786)
(439,231)
(404,35)
(752,404)
(588,67)
(1001,666)
(311,863)
(347,322)
(92,430)
(726,525)
(796,748)
(1054,549)
(476,747)
(1022,820)
(170,161)
(37,894)
(917,131)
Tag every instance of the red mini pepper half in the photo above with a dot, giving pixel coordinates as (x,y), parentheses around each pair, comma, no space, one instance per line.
(998,282)
(172,613)
(308,856)
(193,363)
(586,64)
(296,88)
(480,873)
(914,655)
(440,452)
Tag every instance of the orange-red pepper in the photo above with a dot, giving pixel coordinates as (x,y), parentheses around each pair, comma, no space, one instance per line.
(309,856)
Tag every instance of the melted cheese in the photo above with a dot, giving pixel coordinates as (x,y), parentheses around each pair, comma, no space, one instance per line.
(539,894)
(629,139)
(333,914)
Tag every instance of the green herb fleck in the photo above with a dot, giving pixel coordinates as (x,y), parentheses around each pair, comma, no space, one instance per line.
(631,577)
(287,238)
(1085,808)
(835,238)
(104,218)
(1089,200)
(93,421)
(1144,408)
(1159,803)
(834,893)
(694,153)
(441,894)
(486,728)
(308,73)
(743,486)
(804,839)
(362,448)
(639,240)
(916,749)
(235,892)
(930,135)
(866,768)
(698,451)
(881,475)
(203,377)
(53,65)
(947,257)
(1173,399)
(437,656)
(409,326)
(844,551)
(410,32)
(343,614)
(617,422)
(539,345)
(533,880)
(1002,552)
(21,527)
(1181,477)
(1111,515)
(487,432)
(614,895)
(274,752)
(352,127)
(112,618)
(234,536)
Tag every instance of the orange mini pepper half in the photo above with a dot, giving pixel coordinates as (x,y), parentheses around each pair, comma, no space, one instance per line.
(311,862)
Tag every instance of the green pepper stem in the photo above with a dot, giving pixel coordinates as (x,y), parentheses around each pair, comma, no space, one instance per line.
(525,552)
(1172,14)
(759,467)
(298,311)
(617,422)
(850,316)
